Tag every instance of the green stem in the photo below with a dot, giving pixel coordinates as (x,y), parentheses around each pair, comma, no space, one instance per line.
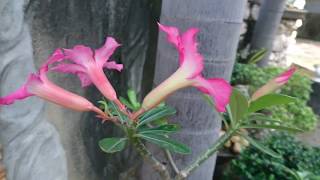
(156,164)
(206,155)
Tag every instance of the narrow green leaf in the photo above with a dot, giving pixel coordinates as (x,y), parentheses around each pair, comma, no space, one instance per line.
(112,145)
(104,104)
(163,129)
(257,56)
(261,147)
(123,118)
(126,102)
(276,127)
(166,143)
(155,114)
(270,100)
(238,105)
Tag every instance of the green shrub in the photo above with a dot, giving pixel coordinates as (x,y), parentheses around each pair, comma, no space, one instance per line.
(252,164)
(298,114)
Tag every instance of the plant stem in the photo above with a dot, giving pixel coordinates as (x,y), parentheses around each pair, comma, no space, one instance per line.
(207,154)
(147,155)
(171,161)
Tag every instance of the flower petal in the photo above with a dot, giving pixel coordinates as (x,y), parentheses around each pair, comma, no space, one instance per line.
(79,54)
(103,54)
(219,89)
(56,56)
(113,65)
(172,34)
(68,68)
(284,77)
(85,79)
(20,93)
(191,58)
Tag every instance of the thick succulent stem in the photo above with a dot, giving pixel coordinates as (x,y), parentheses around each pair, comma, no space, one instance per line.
(156,164)
(205,155)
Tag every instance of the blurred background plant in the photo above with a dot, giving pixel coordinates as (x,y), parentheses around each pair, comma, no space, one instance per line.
(297,160)
(298,114)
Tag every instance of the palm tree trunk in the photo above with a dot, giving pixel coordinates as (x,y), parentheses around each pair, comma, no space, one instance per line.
(266,27)
(219,23)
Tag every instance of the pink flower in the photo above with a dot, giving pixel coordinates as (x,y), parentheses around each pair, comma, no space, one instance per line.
(39,85)
(285,76)
(88,64)
(274,83)
(189,72)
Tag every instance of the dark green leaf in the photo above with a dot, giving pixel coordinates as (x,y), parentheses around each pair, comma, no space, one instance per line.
(238,105)
(163,129)
(276,127)
(261,147)
(123,118)
(257,56)
(155,114)
(112,145)
(166,143)
(160,122)
(270,100)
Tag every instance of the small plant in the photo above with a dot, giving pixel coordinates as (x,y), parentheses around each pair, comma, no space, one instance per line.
(297,114)
(299,161)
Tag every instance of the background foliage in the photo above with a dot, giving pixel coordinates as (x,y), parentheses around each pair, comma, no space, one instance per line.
(252,164)
(297,114)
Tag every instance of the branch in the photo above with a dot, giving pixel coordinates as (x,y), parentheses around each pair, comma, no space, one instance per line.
(171,161)
(157,165)
(206,155)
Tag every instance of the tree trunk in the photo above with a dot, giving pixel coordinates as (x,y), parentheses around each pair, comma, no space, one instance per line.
(266,27)
(219,23)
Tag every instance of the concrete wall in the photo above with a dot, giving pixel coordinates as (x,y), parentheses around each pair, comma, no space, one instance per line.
(61,23)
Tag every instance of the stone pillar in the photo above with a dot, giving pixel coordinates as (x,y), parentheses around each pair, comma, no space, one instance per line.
(32,149)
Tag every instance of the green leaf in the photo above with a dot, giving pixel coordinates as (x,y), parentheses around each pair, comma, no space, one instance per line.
(123,118)
(160,122)
(126,102)
(261,147)
(276,127)
(104,104)
(112,145)
(163,129)
(256,57)
(238,105)
(155,114)
(270,100)
(165,143)
(133,98)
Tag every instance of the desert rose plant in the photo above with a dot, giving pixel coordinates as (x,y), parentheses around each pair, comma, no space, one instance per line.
(148,121)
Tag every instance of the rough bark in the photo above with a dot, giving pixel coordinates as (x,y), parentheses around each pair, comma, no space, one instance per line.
(219,23)
(266,27)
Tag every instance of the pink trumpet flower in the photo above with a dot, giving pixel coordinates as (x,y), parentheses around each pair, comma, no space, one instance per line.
(274,83)
(189,72)
(88,64)
(39,85)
